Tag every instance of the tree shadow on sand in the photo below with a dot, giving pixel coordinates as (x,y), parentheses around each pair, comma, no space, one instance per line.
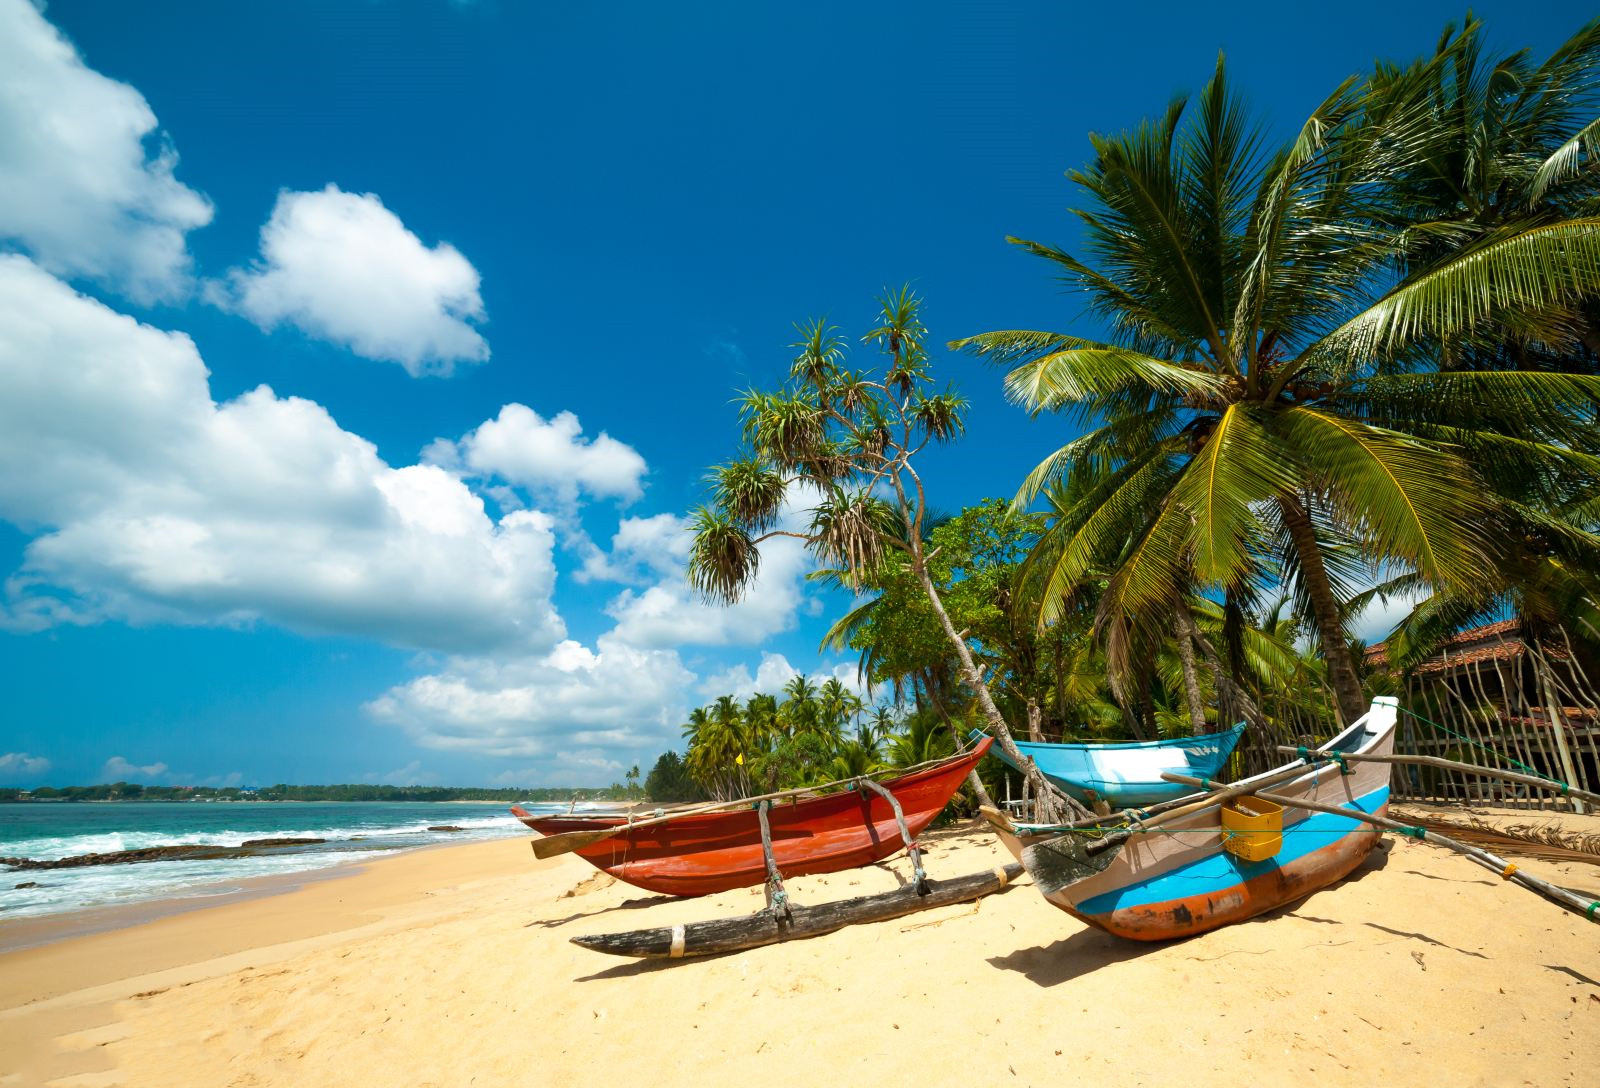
(626,904)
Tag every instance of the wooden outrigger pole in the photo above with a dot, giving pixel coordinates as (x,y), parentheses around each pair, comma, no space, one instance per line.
(1563,788)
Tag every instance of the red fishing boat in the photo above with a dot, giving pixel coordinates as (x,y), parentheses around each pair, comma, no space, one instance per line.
(702,852)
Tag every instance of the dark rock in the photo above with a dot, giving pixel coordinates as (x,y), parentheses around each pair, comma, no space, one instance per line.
(279,842)
(28,884)
(126,857)
(188,852)
(444,827)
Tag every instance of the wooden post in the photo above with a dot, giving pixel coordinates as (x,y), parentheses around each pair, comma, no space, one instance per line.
(1557,723)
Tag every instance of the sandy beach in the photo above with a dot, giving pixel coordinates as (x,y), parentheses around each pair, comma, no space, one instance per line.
(452,967)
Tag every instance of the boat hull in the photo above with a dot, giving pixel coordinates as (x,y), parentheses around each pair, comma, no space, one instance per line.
(701,854)
(1128,774)
(1177,880)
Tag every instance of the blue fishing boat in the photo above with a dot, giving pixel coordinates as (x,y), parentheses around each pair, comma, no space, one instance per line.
(1128,775)
(1218,860)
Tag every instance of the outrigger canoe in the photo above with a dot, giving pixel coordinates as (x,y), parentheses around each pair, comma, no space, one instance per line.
(1219,860)
(701,853)
(1128,774)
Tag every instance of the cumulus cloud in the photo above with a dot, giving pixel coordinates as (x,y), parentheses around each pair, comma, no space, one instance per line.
(642,549)
(85,185)
(19,765)
(343,268)
(670,613)
(545,456)
(770,676)
(564,708)
(150,502)
(118,769)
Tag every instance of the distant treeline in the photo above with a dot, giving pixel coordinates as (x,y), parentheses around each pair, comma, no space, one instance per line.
(132,791)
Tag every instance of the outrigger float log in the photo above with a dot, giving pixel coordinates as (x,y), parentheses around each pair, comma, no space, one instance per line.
(793,922)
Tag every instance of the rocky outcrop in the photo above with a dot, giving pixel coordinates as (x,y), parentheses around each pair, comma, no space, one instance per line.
(197,852)
(248,843)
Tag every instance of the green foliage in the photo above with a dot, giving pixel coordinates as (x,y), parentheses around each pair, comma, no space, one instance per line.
(669,780)
(1278,403)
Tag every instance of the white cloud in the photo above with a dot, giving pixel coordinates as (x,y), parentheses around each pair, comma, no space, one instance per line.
(343,268)
(1375,622)
(118,769)
(641,549)
(80,187)
(153,503)
(546,456)
(771,675)
(16,765)
(567,708)
(670,613)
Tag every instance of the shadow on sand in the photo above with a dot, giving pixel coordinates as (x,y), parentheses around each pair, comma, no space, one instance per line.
(1090,949)
(626,904)
(631,967)
(1085,952)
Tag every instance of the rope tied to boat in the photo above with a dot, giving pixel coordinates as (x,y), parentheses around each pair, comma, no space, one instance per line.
(1589,914)
(920,877)
(1506,873)
(1344,767)
(1418,833)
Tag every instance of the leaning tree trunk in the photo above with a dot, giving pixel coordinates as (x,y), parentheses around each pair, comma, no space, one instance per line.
(972,776)
(1050,804)
(1325,609)
(1191,678)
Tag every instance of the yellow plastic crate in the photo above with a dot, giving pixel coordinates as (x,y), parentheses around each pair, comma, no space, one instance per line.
(1252,829)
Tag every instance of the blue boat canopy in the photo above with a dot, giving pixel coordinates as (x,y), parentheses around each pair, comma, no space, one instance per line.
(1128,774)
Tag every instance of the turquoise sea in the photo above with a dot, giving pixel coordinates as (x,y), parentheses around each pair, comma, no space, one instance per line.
(354,830)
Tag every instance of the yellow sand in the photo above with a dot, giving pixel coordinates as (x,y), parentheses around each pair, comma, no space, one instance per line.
(452,967)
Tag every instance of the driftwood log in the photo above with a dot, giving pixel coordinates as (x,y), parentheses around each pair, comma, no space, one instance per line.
(799,922)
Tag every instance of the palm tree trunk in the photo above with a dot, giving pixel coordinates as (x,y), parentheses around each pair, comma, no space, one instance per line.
(1050,803)
(1191,678)
(1325,609)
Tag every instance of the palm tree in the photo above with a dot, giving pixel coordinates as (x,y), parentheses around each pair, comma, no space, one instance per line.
(835,706)
(847,439)
(922,739)
(800,712)
(1268,396)
(883,721)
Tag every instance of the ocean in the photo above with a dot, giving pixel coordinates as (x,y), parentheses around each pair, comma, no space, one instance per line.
(354,830)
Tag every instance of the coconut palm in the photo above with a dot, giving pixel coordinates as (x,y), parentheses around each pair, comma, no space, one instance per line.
(1268,397)
(847,440)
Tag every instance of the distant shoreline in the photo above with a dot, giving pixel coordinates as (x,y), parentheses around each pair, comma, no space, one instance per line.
(531,796)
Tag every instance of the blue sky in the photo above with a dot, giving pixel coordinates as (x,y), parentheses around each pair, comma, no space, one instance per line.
(359,361)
